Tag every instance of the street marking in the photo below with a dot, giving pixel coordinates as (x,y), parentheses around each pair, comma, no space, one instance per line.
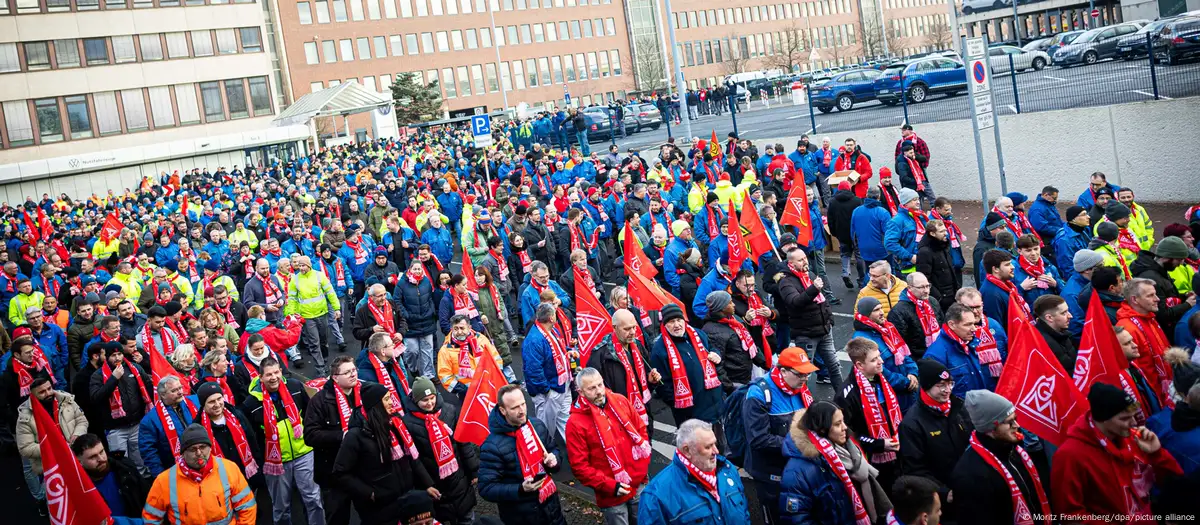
(1056,78)
(1151,95)
(793,117)
(813,129)
(840,314)
(1012,108)
(659,425)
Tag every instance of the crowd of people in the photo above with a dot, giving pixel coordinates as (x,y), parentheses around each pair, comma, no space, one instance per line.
(194,338)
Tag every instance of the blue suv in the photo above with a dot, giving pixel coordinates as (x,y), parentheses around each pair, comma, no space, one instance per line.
(922,77)
(844,90)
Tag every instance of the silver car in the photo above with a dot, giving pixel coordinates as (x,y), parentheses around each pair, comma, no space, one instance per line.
(647,115)
(998,59)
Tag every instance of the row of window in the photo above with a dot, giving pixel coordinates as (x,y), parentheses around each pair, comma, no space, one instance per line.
(348,10)
(23,7)
(896,4)
(699,53)
(121,49)
(343,50)
(479,79)
(763,13)
(76,117)
(916,26)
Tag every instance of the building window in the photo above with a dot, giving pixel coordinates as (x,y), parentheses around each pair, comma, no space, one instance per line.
(422,8)
(443,44)
(305,13)
(610,27)
(406,8)
(37,56)
(562,31)
(531,72)
(538,35)
(556,69)
(575,30)
(135,110)
(477,79)
(427,43)
(472,39)
(108,119)
(226,41)
(385,84)
(604,72)
(214,109)
(373,9)
(485,37)
(329,49)
(49,120)
(464,82)
(314,87)
(202,45)
(505,77)
(490,70)
(380,45)
(339,10)
(177,45)
(525,36)
(368,82)
(235,95)
(397,44)
(410,41)
(448,83)
(579,66)
(569,65)
(322,11)
(614,56)
(66,53)
(587,29)
(19,127)
(310,53)
(456,40)
(251,39)
(92,5)
(544,67)
(160,107)
(518,74)
(551,32)
(10,61)
(151,47)
(123,50)
(364,48)
(346,50)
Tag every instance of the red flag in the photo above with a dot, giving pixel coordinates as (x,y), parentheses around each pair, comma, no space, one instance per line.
(753,230)
(183,208)
(647,295)
(468,271)
(1016,310)
(70,495)
(112,227)
(32,229)
(44,226)
(1046,399)
(635,258)
(591,320)
(160,368)
(1100,356)
(795,213)
(473,418)
(737,244)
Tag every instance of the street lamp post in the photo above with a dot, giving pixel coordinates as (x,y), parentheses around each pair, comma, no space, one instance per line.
(503,92)
(679,87)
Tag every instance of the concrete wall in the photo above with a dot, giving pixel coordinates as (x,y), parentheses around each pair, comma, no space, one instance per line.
(1149,146)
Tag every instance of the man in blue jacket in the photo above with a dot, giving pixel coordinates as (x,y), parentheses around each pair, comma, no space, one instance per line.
(956,350)
(767,418)
(867,225)
(685,488)
(544,354)
(52,341)
(158,438)
(1043,215)
(539,279)
(1072,237)
(1084,264)
(682,241)
(451,205)
(718,278)
(900,237)
(706,226)
(1098,181)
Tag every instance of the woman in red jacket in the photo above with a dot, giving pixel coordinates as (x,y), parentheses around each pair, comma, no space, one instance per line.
(607,445)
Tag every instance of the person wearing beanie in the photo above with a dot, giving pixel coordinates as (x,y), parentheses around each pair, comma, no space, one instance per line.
(1096,212)
(231,434)
(382,269)
(910,169)
(1157,265)
(1106,243)
(454,466)
(1083,265)
(1104,466)
(213,489)
(1074,236)
(691,368)
(995,475)
(887,191)
(935,431)
(325,424)
(899,369)
(729,335)
(681,241)
(123,390)
(905,230)
(706,225)
(992,224)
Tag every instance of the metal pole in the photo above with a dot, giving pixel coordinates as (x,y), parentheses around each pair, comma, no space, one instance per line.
(904,96)
(1016,24)
(503,92)
(732,96)
(1153,71)
(978,144)
(812,115)
(996,133)
(1091,22)
(612,128)
(679,88)
(1012,70)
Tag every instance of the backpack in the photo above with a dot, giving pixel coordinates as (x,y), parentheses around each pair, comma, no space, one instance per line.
(731,421)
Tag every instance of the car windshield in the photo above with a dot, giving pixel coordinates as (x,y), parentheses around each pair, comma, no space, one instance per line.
(1088,36)
(1036,44)
(894,69)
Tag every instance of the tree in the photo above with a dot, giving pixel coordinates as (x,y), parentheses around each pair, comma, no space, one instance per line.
(939,36)
(651,66)
(737,62)
(872,41)
(416,102)
(792,51)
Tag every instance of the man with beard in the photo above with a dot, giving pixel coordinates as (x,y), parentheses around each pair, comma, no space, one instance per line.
(454,466)
(62,409)
(539,281)
(132,322)
(221,492)
(692,384)
(230,431)
(382,270)
(852,158)
(514,463)
(124,388)
(935,430)
(116,478)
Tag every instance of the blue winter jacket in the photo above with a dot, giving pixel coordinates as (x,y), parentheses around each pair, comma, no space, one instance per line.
(1032,294)
(598,219)
(700,223)
(663,217)
(1182,336)
(165,254)
(585,170)
(1184,446)
(152,437)
(995,300)
(1085,199)
(366,371)
(54,345)
(529,298)
(538,359)
(674,497)
(1070,293)
(500,475)
(347,255)
(811,493)
(900,240)
(1044,218)
(964,366)
(439,242)
(417,306)
(1066,242)
(806,164)
(766,425)
(818,229)
(446,311)
(896,375)
(671,260)
(867,224)
(451,205)
(712,281)
(290,247)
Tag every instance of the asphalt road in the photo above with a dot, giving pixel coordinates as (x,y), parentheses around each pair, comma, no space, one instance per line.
(1053,88)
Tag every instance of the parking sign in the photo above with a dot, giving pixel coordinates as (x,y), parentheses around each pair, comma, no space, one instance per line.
(481,125)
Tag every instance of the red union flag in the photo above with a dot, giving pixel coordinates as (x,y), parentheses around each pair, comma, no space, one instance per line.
(472,424)
(1046,399)
(647,295)
(468,271)
(70,496)
(753,230)
(795,213)
(1100,358)
(635,258)
(737,243)
(112,227)
(591,320)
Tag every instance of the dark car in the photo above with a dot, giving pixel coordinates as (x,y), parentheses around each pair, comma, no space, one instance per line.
(1094,45)
(1182,40)
(600,124)
(1133,46)
(844,90)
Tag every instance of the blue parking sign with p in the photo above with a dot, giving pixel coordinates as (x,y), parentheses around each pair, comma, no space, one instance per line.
(481,125)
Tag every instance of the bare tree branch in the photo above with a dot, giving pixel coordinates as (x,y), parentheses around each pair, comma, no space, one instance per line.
(939,36)
(792,50)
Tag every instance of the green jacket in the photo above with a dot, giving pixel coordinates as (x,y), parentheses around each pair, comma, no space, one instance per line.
(291,444)
(224,280)
(20,303)
(310,295)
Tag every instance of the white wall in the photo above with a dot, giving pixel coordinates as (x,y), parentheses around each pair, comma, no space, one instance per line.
(1150,146)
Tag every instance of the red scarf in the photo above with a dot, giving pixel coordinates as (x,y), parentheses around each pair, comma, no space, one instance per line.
(578,240)
(826,448)
(248,264)
(343,405)
(604,418)
(168,424)
(1126,241)
(224,386)
(383,316)
(464,304)
(777,378)
(987,349)
(501,267)
(707,480)
(955,236)
(526,260)
(271,293)
(273,463)
(754,302)
(530,453)
(228,311)
(714,230)
(654,222)
(683,388)
(197,476)
(439,440)
(24,375)
(115,408)
(919,219)
(385,379)
(891,337)
(360,253)
(558,350)
(1034,270)
(239,441)
(877,426)
(165,335)
(1137,489)
(805,281)
(583,276)
(1011,288)
(919,174)
(885,191)
(409,445)
(928,318)
(637,387)
(467,348)
(1158,346)
(339,271)
(942,408)
(1021,512)
(743,335)
(1027,228)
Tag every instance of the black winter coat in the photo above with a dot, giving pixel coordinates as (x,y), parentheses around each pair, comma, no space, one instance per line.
(374,483)
(417,306)
(843,205)
(741,306)
(735,359)
(604,358)
(132,487)
(131,397)
(323,430)
(805,316)
(933,443)
(985,490)
(850,401)
(904,316)
(689,283)
(364,322)
(500,476)
(223,438)
(1061,344)
(458,495)
(934,260)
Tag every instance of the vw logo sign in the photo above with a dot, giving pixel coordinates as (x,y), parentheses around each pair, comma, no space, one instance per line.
(73,163)
(384,110)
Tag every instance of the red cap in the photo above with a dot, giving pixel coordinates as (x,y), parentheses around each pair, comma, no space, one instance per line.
(796,359)
(723,176)
(592,191)
(844,185)
(22,331)
(885,172)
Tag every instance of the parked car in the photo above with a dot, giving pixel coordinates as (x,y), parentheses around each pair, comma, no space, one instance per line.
(1062,39)
(975,6)
(921,78)
(998,59)
(1182,39)
(844,90)
(1038,45)
(1133,46)
(599,124)
(1095,44)
(647,115)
